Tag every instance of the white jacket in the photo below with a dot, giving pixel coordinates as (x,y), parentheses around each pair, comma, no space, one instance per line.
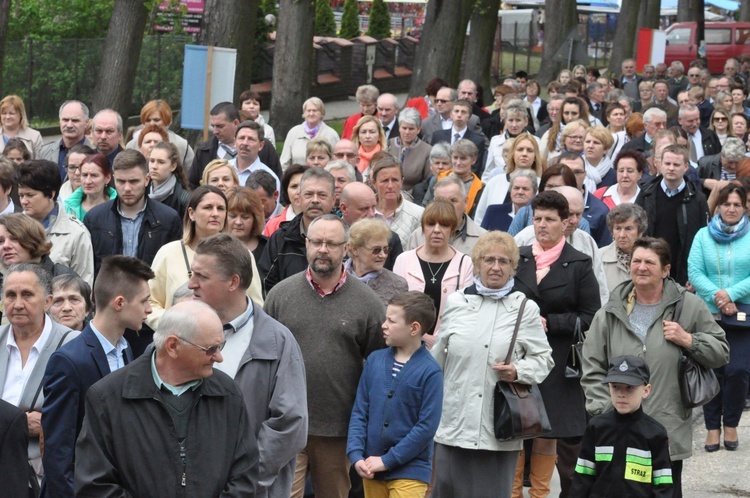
(71,245)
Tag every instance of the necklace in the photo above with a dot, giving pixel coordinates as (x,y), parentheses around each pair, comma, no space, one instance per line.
(429,267)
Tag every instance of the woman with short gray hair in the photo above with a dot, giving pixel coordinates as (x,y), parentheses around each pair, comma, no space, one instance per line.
(440,160)
(412,153)
(626,222)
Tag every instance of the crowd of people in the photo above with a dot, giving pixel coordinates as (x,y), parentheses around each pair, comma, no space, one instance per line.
(333,318)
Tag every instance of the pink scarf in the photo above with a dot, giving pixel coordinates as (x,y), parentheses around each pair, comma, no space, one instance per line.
(365,157)
(545,259)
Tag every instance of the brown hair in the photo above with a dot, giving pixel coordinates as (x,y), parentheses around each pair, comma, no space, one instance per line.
(246,200)
(28,232)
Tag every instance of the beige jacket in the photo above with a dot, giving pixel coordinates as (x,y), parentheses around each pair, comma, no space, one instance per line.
(71,245)
(614,271)
(31,138)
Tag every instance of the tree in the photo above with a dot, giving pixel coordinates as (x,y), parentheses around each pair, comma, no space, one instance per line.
(58,19)
(481,42)
(687,10)
(350,20)
(441,47)
(4,19)
(121,52)
(380,21)
(231,24)
(561,18)
(744,15)
(292,63)
(625,34)
(325,24)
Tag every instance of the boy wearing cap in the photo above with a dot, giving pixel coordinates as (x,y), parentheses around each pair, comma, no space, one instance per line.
(624,452)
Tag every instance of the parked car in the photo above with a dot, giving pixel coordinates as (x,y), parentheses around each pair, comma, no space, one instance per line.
(723,40)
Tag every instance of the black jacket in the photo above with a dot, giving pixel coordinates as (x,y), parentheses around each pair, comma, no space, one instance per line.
(285,254)
(15,471)
(710,141)
(623,455)
(161,224)
(476,138)
(178,199)
(692,217)
(206,152)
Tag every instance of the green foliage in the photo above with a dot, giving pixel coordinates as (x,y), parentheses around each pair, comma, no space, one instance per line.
(380,20)
(325,24)
(350,20)
(59,19)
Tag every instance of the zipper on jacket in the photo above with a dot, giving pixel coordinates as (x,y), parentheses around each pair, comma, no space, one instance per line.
(183,479)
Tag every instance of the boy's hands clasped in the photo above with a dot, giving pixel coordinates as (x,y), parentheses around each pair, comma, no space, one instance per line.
(367,468)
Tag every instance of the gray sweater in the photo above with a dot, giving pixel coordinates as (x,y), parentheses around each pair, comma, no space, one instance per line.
(336,333)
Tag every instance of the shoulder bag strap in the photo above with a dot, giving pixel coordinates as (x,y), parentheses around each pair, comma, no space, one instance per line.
(458,280)
(187,263)
(515,331)
(39,389)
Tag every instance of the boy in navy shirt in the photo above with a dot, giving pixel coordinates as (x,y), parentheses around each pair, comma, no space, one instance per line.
(399,400)
(624,452)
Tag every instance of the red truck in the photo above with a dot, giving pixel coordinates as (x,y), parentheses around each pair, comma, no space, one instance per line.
(723,40)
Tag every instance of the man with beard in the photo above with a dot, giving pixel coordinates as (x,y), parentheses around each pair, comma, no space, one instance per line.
(336,321)
(285,254)
(74,117)
(132,224)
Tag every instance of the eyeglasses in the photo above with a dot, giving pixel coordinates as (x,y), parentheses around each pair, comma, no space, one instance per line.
(210,351)
(490,261)
(720,119)
(72,168)
(442,101)
(317,244)
(347,155)
(575,138)
(693,75)
(378,249)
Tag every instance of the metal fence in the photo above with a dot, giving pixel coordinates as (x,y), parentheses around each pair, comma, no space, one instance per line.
(46,73)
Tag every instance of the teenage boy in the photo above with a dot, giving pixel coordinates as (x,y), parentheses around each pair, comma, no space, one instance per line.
(624,452)
(398,404)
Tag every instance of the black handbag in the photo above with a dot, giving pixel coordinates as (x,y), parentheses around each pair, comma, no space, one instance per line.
(573,369)
(698,384)
(519,409)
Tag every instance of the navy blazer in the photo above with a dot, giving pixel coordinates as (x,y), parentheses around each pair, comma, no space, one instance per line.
(70,372)
(596,213)
(476,138)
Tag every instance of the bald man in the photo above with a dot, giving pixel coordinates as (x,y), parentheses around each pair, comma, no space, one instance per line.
(388,114)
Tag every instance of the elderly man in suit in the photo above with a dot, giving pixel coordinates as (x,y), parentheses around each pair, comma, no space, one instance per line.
(121,292)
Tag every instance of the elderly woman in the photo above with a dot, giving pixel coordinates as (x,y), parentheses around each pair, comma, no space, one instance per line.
(639,320)
(523,187)
(220,174)
(169,184)
(96,175)
(158,112)
(440,160)
(572,137)
(739,124)
(402,216)
(597,140)
(369,139)
(367,99)
(251,103)
(474,338)
(245,219)
(22,240)
(561,281)
(719,270)
(290,198)
(413,153)
(13,124)
(463,155)
(295,145)
(318,153)
(722,166)
(435,267)
(72,162)
(629,167)
(626,223)
(368,251)
(150,135)
(71,301)
(31,338)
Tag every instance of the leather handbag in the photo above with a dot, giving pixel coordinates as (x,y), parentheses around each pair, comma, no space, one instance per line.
(573,369)
(519,409)
(698,384)
(740,319)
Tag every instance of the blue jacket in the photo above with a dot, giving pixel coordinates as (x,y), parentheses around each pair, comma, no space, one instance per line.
(396,418)
(70,372)
(595,212)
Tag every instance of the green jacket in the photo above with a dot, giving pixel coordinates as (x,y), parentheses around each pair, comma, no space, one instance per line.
(73,203)
(611,335)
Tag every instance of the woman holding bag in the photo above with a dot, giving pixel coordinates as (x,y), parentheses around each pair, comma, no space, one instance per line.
(719,269)
(474,339)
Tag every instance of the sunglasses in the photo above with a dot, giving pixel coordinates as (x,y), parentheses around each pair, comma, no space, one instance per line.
(441,101)
(210,351)
(720,119)
(378,249)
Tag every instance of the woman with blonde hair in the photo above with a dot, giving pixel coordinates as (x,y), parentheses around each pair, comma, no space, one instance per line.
(221,175)
(13,124)
(720,124)
(597,141)
(318,153)
(369,138)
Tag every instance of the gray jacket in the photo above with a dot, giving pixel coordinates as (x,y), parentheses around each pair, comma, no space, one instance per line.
(271,377)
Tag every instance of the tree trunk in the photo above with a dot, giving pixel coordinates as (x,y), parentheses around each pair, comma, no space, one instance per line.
(292,63)
(4,18)
(122,50)
(441,47)
(687,10)
(560,17)
(625,34)
(744,11)
(231,24)
(481,43)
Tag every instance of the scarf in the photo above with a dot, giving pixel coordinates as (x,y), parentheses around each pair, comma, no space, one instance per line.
(723,233)
(596,173)
(623,258)
(495,294)
(311,132)
(545,259)
(164,190)
(366,157)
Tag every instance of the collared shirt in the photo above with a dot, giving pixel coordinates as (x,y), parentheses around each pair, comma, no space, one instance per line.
(223,153)
(18,374)
(49,220)
(114,352)
(10,209)
(536,105)
(387,127)
(257,165)
(447,124)
(176,390)
(131,229)
(672,193)
(697,144)
(460,134)
(237,333)
(317,287)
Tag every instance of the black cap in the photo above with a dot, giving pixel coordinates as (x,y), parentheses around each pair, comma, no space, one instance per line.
(629,370)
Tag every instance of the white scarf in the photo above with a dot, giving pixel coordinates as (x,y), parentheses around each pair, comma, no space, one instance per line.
(596,173)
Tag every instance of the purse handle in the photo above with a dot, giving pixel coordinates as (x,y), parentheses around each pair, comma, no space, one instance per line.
(515,331)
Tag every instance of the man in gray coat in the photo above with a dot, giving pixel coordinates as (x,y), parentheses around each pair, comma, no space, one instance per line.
(261,355)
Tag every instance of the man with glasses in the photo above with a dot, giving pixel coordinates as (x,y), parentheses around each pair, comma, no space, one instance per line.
(654,120)
(337,323)
(261,355)
(285,253)
(121,294)
(345,150)
(198,442)
(694,78)
(74,117)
